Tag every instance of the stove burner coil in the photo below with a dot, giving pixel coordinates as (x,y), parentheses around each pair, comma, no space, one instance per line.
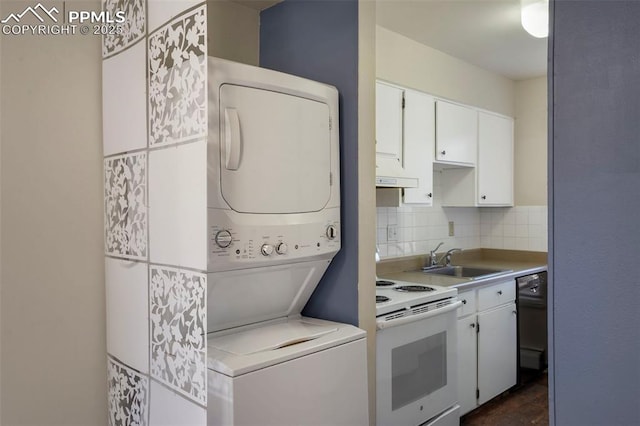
(413,288)
(384,283)
(380,299)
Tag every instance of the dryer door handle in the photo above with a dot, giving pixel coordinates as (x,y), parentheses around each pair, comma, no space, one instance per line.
(233,142)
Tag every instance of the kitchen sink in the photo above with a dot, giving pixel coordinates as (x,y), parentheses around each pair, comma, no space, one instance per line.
(465,271)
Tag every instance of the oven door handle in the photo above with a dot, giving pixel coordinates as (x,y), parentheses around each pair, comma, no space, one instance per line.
(411,318)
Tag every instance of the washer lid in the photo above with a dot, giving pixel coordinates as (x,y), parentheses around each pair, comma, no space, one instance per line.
(262,345)
(271,337)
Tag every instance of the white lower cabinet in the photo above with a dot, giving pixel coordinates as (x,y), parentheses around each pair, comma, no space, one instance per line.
(497,352)
(467,363)
(487,344)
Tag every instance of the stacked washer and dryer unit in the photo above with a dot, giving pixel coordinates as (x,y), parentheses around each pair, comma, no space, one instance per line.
(273,228)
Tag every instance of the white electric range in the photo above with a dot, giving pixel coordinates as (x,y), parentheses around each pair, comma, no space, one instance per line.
(392,295)
(416,351)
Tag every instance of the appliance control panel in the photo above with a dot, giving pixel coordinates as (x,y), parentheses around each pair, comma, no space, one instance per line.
(232,245)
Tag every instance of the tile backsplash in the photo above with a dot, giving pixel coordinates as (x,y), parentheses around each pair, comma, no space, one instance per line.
(515,228)
(420,229)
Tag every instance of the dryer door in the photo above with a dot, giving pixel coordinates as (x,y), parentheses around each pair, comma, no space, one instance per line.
(275,151)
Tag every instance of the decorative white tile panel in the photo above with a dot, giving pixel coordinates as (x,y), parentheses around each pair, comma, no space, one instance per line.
(178,205)
(132,30)
(124,101)
(125,184)
(128,397)
(163,11)
(178,79)
(178,330)
(127,288)
(171,409)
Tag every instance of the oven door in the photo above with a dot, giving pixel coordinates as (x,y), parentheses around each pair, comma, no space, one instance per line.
(416,367)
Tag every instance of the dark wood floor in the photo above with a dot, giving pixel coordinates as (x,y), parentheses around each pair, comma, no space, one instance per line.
(524,405)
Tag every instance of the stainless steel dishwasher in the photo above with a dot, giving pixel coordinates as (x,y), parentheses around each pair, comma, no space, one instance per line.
(532,321)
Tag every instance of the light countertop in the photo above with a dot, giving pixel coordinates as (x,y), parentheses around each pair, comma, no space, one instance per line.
(519,262)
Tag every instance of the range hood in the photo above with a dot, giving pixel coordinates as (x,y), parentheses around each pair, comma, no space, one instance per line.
(391,174)
(396,182)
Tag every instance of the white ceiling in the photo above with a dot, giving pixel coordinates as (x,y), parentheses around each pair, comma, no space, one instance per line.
(486,33)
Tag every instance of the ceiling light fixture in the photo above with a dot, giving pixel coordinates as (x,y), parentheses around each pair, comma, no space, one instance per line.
(534,16)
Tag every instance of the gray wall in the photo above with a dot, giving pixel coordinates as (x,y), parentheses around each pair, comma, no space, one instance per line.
(319,40)
(595,201)
(54,367)
(233,31)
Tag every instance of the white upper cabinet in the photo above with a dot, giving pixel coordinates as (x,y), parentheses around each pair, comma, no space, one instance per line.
(391,156)
(419,143)
(471,148)
(456,133)
(490,182)
(389,122)
(495,160)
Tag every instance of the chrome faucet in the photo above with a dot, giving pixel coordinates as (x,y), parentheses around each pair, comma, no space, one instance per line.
(447,256)
(433,259)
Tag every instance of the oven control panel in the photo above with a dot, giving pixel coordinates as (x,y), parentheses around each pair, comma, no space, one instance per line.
(241,245)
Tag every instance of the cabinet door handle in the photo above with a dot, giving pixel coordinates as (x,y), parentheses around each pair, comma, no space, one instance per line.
(515,312)
(430,195)
(484,197)
(443,152)
(499,292)
(473,325)
(464,301)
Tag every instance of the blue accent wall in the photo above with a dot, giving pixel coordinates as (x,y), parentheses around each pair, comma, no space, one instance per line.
(318,39)
(595,212)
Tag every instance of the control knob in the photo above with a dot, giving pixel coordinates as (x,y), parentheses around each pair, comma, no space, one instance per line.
(266,249)
(281,248)
(223,238)
(332,232)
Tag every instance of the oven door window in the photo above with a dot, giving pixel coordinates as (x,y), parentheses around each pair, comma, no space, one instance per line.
(418,369)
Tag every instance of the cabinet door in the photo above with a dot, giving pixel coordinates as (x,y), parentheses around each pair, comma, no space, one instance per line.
(495,160)
(389,122)
(497,351)
(467,367)
(456,133)
(419,144)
